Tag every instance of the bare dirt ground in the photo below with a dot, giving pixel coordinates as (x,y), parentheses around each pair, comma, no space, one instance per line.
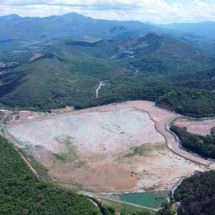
(196,127)
(115,147)
(36,56)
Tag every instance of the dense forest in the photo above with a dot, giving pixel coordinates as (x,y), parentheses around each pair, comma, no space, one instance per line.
(21,192)
(196,194)
(167,208)
(202,145)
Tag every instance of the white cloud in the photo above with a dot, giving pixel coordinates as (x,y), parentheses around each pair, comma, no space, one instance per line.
(157,11)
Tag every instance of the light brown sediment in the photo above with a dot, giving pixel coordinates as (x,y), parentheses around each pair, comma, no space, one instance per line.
(101,139)
(199,127)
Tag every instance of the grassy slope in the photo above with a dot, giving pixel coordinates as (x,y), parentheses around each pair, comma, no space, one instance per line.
(125,208)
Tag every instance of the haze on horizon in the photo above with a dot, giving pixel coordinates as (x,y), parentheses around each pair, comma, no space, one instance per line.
(155,11)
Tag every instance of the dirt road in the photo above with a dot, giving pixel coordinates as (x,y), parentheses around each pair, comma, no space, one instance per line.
(28,163)
(15,146)
(173,143)
(97,90)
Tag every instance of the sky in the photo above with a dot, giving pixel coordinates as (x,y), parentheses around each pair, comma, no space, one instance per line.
(155,11)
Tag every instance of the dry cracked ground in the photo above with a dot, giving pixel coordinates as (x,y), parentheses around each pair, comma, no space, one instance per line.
(109,148)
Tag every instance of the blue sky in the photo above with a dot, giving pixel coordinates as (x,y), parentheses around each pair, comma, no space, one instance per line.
(156,11)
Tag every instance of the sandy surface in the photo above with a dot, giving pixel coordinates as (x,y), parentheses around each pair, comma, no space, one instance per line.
(196,127)
(104,133)
(97,145)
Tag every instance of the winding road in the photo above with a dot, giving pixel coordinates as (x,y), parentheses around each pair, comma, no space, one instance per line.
(173,142)
(174,145)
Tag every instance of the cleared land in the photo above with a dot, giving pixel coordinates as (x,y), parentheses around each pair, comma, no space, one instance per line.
(115,147)
(196,127)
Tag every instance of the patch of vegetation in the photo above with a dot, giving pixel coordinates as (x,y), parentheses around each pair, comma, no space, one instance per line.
(213,132)
(72,154)
(61,157)
(125,209)
(17,117)
(70,144)
(107,210)
(41,170)
(80,164)
(139,150)
(21,192)
(202,145)
(167,209)
(72,81)
(65,139)
(152,188)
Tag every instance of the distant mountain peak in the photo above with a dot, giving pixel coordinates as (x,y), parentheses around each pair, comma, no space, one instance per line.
(11,17)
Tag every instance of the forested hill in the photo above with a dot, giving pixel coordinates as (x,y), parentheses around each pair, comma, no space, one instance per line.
(198,34)
(147,66)
(23,193)
(196,194)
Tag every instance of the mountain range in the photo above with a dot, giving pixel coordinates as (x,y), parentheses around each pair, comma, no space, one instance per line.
(25,30)
(61,60)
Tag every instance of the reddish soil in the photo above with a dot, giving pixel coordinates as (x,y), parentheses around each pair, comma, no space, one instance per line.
(196,127)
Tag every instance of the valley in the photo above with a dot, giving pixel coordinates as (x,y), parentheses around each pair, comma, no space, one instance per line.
(117,147)
(106,117)
(69,72)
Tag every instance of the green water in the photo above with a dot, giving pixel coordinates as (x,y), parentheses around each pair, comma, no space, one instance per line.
(147,199)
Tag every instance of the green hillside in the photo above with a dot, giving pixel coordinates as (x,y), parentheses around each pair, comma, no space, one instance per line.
(133,67)
(196,194)
(23,193)
(200,34)
(199,144)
